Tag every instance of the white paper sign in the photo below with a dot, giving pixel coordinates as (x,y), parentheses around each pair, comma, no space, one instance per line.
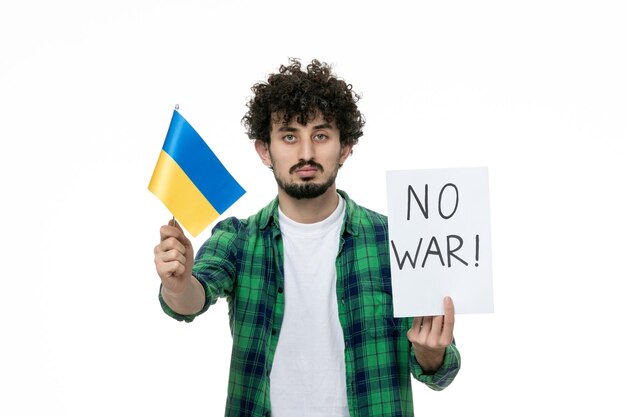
(440,240)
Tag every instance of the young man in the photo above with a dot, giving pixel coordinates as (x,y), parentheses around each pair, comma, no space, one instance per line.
(307,278)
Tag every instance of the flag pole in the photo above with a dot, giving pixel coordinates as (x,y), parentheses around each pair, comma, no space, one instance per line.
(176,107)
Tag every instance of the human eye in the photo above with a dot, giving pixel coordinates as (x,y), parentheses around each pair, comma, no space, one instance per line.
(289,138)
(320,137)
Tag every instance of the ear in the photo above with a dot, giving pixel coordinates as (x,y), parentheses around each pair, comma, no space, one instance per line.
(263,149)
(346,151)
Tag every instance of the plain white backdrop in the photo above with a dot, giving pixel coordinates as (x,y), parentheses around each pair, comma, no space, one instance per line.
(534,90)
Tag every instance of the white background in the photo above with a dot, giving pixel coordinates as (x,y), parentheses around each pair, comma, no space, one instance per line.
(534,90)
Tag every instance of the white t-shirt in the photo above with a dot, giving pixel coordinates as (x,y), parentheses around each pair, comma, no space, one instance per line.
(308,376)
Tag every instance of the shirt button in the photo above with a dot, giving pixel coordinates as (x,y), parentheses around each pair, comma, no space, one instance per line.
(343,301)
(280,290)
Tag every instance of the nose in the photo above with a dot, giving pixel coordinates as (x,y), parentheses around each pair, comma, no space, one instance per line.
(307,150)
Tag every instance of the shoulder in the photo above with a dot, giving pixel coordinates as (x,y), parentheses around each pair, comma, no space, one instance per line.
(231,235)
(251,224)
(362,219)
(370,216)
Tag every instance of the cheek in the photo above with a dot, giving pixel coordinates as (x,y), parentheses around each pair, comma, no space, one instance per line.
(279,159)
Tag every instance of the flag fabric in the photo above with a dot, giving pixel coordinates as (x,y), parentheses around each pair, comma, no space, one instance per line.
(190,180)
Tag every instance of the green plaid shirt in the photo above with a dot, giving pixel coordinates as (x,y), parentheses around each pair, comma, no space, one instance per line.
(243,261)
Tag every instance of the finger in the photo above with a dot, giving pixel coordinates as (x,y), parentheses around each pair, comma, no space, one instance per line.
(436,328)
(174,223)
(171,251)
(448,311)
(427,324)
(170,269)
(171,243)
(168,231)
(417,322)
(172,256)
(175,232)
(414,331)
(174,229)
(417,325)
(448,320)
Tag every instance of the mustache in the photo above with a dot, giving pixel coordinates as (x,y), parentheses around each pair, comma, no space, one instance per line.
(304,163)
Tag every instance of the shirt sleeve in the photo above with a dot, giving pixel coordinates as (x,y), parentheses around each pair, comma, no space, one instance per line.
(214,267)
(444,375)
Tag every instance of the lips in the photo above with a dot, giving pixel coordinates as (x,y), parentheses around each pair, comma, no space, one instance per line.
(308,170)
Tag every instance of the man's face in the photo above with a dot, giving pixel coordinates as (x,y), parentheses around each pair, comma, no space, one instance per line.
(305,158)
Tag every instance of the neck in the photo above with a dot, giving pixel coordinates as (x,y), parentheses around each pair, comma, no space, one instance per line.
(309,210)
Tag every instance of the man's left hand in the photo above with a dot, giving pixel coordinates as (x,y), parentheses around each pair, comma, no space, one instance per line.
(431,335)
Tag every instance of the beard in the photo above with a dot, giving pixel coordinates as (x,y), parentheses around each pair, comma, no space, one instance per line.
(308,189)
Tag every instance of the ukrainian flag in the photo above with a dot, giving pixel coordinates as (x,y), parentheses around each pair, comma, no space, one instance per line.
(190,180)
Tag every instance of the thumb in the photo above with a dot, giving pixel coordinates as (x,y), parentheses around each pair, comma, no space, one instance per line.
(183,238)
(174,223)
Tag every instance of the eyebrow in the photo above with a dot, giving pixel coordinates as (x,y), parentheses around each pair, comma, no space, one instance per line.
(284,128)
(323,126)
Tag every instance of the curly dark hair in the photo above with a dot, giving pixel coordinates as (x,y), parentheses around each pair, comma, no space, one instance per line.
(294,93)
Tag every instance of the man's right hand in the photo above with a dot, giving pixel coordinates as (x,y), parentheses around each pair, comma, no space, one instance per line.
(173,258)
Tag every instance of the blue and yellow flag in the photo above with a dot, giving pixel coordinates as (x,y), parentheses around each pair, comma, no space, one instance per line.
(190,180)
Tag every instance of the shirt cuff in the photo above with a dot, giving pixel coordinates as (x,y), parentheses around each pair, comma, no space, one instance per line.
(172,313)
(444,375)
